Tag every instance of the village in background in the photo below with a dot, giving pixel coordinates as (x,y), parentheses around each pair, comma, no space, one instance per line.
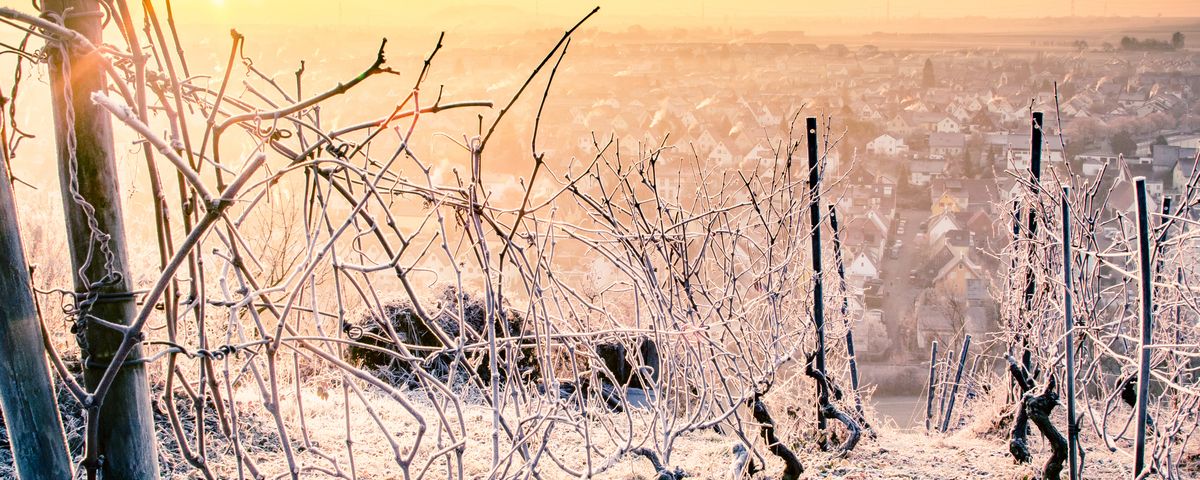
(643,146)
(924,139)
(923,133)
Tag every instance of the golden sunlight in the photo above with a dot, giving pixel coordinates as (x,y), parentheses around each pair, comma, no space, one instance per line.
(495,239)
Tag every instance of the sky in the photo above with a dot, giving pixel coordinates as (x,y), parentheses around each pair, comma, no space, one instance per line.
(482,12)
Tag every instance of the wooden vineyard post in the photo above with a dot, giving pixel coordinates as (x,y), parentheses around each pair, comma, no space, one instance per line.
(841,269)
(814,190)
(962,361)
(121,427)
(932,385)
(27,397)
(1035,170)
(1147,302)
(1069,338)
(943,383)
(1035,179)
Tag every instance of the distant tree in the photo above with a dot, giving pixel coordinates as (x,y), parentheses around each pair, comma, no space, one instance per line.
(1160,140)
(1150,44)
(950,304)
(1080,45)
(927,79)
(1123,143)
(969,167)
(1074,149)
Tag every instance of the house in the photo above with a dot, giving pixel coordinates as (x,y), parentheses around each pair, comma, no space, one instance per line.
(879,223)
(1000,106)
(944,319)
(1019,151)
(981,227)
(689,120)
(935,322)
(1093,161)
(758,157)
(720,156)
(948,124)
(867,233)
(862,191)
(921,172)
(927,121)
(940,225)
(981,194)
(947,145)
(1165,159)
(948,199)
(972,103)
(676,183)
(957,242)
(867,112)
(863,267)
(955,304)
(959,114)
(887,145)
(870,333)
(618,123)
(742,141)
(1010,190)
(1163,103)
(705,142)
(963,279)
(765,118)
(1183,172)
(1123,174)
(901,123)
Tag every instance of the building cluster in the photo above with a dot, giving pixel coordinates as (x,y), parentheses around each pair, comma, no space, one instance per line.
(922,150)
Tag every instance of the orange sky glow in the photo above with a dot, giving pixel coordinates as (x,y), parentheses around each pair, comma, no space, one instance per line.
(744,13)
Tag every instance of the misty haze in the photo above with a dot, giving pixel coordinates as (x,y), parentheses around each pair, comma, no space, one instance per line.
(728,240)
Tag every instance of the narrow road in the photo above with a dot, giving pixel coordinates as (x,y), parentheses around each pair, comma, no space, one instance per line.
(899,290)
